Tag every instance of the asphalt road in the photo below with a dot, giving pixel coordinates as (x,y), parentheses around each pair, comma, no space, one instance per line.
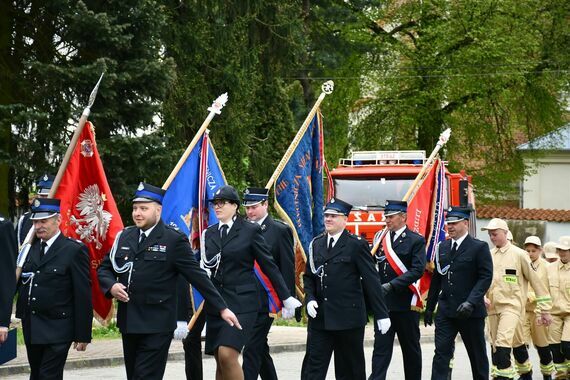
(288,366)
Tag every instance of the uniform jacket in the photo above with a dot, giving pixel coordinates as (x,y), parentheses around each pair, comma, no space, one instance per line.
(234,278)
(539,267)
(512,273)
(340,295)
(411,249)
(8,252)
(59,307)
(468,279)
(559,281)
(164,255)
(23,227)
(279,239)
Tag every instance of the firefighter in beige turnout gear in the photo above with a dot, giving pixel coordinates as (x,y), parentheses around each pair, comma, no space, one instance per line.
(559,281)
(529,330)
(512,272)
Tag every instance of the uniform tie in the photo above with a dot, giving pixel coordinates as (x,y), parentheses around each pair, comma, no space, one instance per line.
(142,238)
(43,246)
(454,248)
(331,242)
(224,231)
(392,236)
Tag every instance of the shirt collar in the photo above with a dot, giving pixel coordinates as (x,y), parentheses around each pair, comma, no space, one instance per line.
(399,232)
(230,223)
(51,240)
(503,249)
(260,221)
(335,237)
(460,240)
(148,231)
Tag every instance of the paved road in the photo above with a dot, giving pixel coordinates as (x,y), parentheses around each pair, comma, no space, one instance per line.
(288,366)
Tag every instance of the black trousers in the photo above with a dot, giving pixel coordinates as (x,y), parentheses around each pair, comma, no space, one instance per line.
(193,349)
(472,332)
(407,325)
(256,357)
(348,348)
(146,355)
(47,360)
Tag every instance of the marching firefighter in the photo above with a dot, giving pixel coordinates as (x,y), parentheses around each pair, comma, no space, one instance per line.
(512,272)
(559,281)
(529,329)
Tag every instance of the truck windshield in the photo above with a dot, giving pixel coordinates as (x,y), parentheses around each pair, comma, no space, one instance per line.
(371,192)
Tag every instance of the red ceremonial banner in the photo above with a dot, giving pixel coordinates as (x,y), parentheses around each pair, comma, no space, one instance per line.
(88,210)
(420,214)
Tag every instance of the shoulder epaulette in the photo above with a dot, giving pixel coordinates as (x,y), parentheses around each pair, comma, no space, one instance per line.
(174,228)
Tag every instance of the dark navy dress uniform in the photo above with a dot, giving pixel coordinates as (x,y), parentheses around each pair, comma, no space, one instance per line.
(410,248)
(8,254)
(256,357)
(236,281)
(346,271)
(460,276)
(54,302)
(149,318)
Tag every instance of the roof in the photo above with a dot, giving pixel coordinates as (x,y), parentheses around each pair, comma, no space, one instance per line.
(515,213)
(555,140)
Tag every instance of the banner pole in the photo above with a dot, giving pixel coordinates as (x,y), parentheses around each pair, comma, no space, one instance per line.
(215,109)
(327,89)
(72,144)
(443,139)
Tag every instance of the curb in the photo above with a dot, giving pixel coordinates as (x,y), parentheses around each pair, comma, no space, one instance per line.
(71,364)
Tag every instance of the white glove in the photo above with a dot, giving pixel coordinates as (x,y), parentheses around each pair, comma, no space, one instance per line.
(384,325)
(287,313)
(181,330)
(291,303)
(312,307)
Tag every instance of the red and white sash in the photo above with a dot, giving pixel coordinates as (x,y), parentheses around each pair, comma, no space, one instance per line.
(399,267)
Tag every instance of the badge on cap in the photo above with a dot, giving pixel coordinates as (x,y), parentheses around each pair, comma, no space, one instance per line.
(141,187)
(246,191)
(45,177)
(218,192)
(332,200)
(37,203)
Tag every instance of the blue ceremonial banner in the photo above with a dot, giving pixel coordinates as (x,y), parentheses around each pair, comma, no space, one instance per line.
(188,193)
(299,191)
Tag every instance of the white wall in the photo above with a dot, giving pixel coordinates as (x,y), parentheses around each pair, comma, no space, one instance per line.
(549,187)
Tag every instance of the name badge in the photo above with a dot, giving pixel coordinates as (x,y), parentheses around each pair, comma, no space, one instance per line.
(511,279)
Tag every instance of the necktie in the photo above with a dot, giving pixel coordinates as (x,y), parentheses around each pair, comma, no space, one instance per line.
(43,249)
(331,242)
(142,238)
(224,231)
(454,248)
(392,236)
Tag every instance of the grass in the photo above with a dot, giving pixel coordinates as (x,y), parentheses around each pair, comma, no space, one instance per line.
(98,333)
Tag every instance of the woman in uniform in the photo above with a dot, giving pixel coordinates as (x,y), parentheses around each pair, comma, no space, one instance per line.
(229,250)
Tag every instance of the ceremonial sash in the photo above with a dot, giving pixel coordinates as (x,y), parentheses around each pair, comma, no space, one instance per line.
(398,266)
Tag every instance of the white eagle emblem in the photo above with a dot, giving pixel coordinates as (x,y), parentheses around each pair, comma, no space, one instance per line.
(94,222)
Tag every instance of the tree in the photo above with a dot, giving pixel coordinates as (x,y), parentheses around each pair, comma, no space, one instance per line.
(54,52)
(494,72)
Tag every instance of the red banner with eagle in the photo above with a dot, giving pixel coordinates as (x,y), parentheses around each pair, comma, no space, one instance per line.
(88,210)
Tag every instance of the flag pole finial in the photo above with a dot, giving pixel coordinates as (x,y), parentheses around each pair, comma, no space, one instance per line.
(92,96)
(328,87)
(219,103)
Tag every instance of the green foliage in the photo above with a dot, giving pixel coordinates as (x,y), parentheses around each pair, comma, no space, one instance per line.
(495,72)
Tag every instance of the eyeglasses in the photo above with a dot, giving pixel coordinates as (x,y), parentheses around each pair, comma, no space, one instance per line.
(220,204)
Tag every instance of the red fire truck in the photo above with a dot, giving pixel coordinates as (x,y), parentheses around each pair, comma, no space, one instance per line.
(367,179)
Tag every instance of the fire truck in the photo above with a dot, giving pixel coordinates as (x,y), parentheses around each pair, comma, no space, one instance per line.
(368,178)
